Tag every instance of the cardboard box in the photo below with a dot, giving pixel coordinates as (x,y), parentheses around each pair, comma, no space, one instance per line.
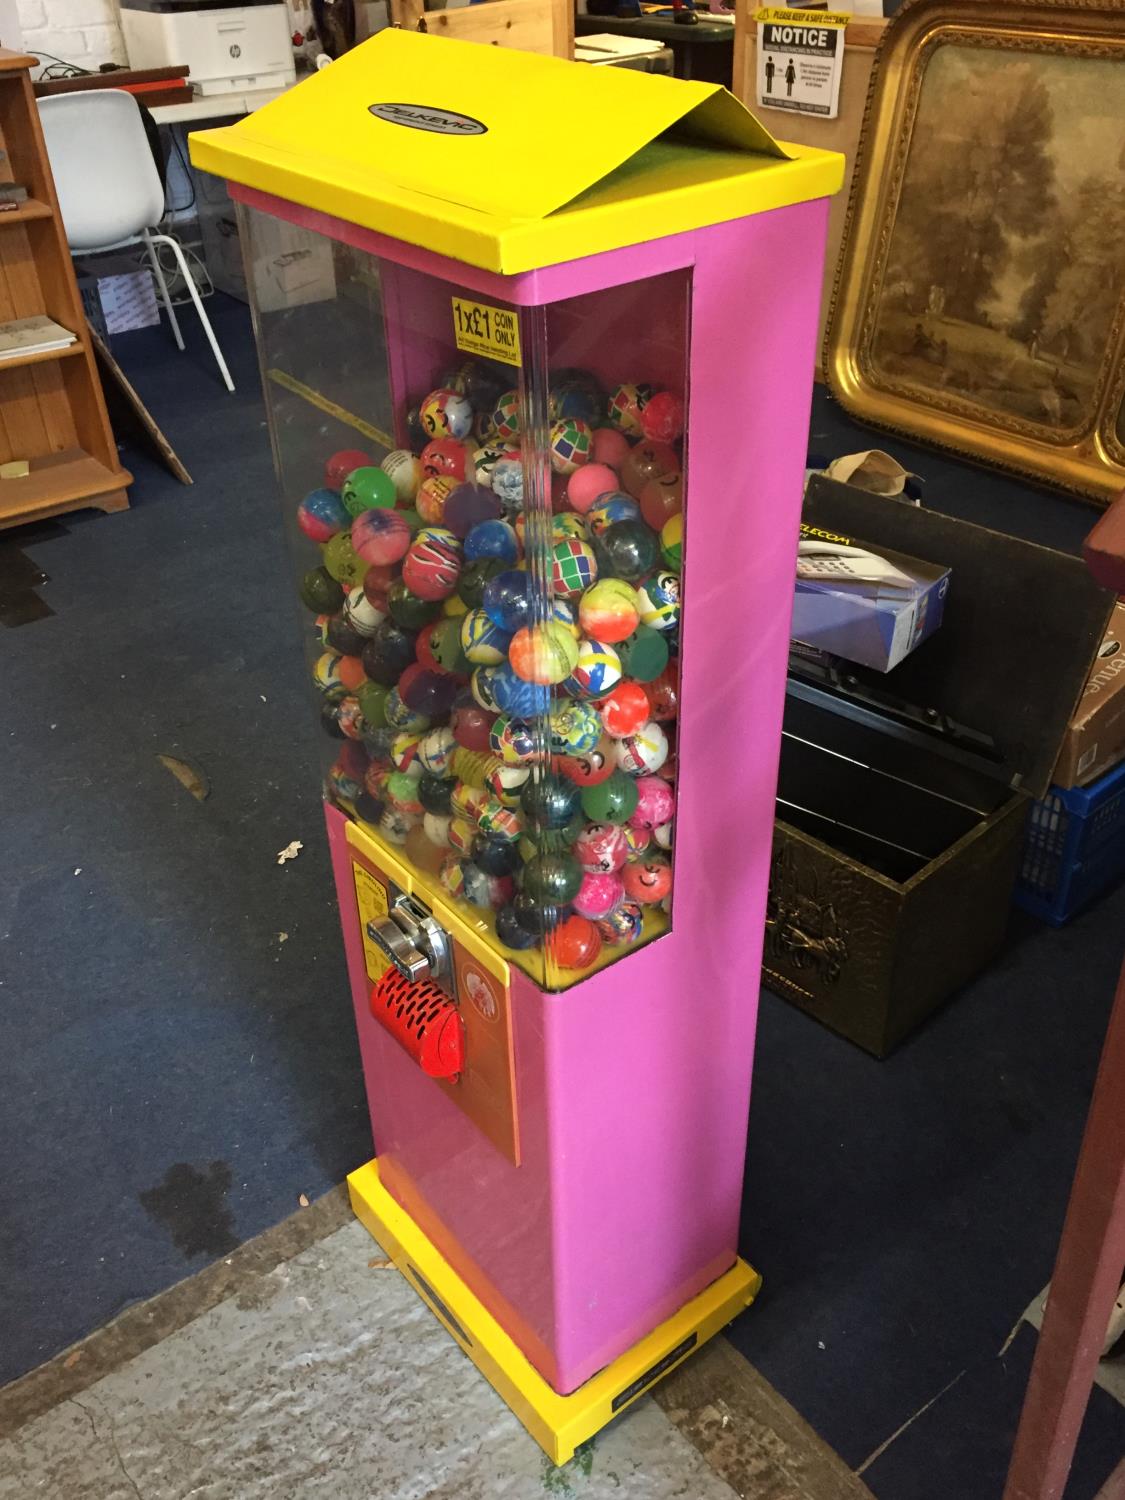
(871,606)
(1095,736)
(218,229)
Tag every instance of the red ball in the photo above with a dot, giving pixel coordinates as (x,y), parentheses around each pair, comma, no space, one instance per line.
(341,464)
(424,651)
(664,693)
(662,418)
(661,499)
(414,670)
(350,671)
(375,777)
(648,460)
(353,759)
(445,456)
(575,943)
(559,501)
(625,709)
(471,725)
(648,880)
(376,581)
(591,769)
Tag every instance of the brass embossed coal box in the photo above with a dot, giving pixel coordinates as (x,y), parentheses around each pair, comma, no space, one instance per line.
(902,796)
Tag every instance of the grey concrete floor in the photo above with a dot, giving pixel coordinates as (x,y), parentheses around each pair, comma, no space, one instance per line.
(319,1372)
(328,1377)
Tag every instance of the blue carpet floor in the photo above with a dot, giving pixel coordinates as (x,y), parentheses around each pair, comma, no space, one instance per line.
(177,1062)
(173,1075)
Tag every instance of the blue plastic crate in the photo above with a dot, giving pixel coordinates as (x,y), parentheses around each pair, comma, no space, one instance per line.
(1074,847)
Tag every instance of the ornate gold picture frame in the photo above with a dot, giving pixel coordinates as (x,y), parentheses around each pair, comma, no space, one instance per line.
(980,299)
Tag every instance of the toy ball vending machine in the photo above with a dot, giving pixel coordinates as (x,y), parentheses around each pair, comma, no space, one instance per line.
(537,344)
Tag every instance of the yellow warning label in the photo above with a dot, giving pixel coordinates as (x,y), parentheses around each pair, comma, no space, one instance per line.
(801,18)
(371,899)
(480,328)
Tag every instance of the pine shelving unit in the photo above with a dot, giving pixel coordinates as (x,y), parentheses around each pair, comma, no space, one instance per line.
(52,410)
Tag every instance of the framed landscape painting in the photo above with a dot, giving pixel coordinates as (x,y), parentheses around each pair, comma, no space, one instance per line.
(980,301)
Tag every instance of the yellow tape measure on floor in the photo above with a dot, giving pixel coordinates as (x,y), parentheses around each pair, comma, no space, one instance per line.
(330,408)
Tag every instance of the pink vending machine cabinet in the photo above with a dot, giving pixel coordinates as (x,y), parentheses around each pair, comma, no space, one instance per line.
(537,344)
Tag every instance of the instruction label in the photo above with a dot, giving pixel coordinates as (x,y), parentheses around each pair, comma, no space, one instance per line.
(800,60)
(371,902)
(480,328)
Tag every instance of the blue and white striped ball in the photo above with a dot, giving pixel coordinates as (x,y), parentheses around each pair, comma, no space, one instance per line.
(437,750)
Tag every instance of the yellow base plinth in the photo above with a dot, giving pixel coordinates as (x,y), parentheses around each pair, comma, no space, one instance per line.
(557,1423)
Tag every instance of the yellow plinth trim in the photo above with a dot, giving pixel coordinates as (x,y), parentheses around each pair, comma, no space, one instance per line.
(557,1423)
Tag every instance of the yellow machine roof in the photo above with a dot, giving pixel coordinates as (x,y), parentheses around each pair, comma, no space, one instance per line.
(507,160)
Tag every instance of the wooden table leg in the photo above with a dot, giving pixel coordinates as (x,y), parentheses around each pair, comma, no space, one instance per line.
(1083,1289)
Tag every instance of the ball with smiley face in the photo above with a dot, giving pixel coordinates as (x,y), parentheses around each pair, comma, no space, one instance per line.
(589,767)
(648,881)
(649,461)
(446,413)
(601,848)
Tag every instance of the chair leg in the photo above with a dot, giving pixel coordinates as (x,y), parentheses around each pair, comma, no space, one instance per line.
(162,287)
(166,239)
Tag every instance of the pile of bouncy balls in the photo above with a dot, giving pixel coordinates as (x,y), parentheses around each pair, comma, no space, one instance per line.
(517,743)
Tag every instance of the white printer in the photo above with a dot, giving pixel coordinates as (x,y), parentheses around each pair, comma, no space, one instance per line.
(226,47)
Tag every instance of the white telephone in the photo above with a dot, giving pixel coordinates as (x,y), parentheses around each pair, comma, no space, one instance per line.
(836,563)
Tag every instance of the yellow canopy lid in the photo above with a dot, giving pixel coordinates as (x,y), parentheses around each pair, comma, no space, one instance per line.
(509,160)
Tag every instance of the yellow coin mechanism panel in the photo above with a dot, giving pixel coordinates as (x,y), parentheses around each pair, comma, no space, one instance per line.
(557,1423)
(371,902)
(486,1089)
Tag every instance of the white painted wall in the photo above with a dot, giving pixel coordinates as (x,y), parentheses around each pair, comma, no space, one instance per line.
(85,32)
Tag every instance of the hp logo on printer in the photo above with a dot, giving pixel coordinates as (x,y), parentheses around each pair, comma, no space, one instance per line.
(422,117)
(236,50)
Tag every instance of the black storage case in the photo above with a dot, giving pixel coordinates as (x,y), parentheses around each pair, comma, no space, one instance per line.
(902,797)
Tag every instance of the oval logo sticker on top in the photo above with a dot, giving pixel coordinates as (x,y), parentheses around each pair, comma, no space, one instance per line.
(423,117)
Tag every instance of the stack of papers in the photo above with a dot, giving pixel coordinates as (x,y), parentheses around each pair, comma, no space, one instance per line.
(608,48)
(38,335)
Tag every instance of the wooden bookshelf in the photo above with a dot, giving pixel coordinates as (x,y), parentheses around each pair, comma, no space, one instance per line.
(32,209)
(39,357)
(52,411)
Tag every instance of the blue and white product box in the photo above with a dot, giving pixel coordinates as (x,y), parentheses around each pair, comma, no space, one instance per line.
(869,607)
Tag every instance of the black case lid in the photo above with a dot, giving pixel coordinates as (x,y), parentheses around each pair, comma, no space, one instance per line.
(1021,628)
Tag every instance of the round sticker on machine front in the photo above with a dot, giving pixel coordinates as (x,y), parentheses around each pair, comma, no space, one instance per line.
(425,117)
(480,992)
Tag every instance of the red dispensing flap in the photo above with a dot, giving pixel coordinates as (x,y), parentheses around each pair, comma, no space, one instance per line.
(423,1020)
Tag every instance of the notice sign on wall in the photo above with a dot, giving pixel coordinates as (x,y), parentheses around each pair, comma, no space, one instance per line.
(800,60)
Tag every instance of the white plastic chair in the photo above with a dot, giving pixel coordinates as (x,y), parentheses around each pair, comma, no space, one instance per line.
(109,189)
